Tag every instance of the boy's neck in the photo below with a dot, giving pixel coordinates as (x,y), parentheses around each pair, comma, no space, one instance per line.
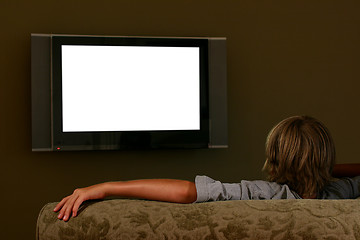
(313,196)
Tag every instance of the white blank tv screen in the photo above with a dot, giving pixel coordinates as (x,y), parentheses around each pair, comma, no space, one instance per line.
(130,88)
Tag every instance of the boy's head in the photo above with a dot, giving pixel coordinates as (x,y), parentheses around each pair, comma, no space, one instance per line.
(300,153)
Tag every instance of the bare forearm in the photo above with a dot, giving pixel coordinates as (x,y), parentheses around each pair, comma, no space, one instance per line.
(168,190)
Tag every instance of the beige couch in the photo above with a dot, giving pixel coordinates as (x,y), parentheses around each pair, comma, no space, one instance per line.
(254,219)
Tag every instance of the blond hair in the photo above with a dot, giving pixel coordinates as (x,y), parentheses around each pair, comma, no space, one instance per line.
(300,153)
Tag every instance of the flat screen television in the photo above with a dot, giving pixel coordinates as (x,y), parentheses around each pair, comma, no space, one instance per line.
(115,92)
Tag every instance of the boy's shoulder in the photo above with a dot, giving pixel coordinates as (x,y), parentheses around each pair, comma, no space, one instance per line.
(343,188)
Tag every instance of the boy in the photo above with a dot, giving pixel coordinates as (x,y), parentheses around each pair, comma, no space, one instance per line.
(300,156)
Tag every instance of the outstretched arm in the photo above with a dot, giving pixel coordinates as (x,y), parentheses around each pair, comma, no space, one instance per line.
(167,190)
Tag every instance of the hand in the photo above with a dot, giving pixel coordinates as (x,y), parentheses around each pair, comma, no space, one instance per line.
(69,205)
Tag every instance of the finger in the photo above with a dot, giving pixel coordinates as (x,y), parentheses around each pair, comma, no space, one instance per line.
(76,206)
(68,207)
(61,204)
(63,208)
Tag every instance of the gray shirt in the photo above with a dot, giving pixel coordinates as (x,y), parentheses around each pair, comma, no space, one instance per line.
(211,190)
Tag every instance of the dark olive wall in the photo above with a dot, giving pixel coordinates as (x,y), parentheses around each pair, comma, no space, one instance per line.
(284,58)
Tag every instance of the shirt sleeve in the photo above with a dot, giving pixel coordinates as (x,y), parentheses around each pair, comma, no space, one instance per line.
(208,189)
(345,188)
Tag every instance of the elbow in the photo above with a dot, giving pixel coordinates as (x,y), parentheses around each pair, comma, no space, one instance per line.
(187,194)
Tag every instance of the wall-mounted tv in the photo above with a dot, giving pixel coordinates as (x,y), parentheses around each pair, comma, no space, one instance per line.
(116,92)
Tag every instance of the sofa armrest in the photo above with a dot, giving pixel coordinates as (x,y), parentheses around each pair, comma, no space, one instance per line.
(346,170)
(249,219)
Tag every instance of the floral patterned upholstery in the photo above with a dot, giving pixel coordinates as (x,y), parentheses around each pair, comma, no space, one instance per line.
(251,219)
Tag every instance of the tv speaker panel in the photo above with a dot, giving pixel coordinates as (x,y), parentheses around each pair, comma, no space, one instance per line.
(41,92)
(218,93)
